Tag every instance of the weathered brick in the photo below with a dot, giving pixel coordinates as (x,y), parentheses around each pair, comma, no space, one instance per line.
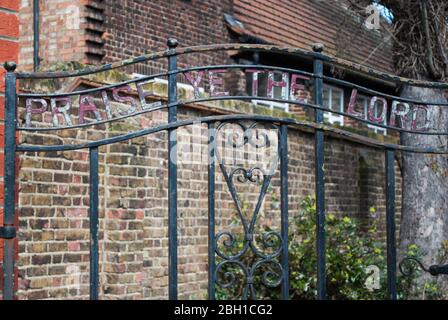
(39,283)
(62,177)
(10,4)
(9,25)
(42,176)
(51,164)
(36,271)
(61,201)
(41,259)
(77,235)
(37,295)
(73,258)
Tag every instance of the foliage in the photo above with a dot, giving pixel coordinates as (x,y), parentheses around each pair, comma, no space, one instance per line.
(349,253)
(409,288)
(353,255)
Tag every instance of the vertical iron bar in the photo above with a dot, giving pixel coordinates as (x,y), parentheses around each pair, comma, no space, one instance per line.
(319,175)
(36,34)
(94,270)
(390,227)
(10,178)
(211,211)
(284,208)
(172,175)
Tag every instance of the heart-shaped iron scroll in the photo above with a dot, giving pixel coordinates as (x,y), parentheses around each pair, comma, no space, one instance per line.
(242,136)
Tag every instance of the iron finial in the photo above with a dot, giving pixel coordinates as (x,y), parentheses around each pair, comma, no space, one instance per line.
(10,66)
(318,47)
(172,43)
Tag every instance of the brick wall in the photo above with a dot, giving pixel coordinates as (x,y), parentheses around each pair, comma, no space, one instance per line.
(136,27)
(69,31)
(98,31)
(9,51)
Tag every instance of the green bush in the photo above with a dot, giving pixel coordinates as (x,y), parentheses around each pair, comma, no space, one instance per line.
(350,253)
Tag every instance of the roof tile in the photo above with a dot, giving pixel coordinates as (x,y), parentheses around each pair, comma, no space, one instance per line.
(301,23)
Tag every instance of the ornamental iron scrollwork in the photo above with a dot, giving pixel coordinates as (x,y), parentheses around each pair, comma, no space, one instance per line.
(234,270)
(408,266)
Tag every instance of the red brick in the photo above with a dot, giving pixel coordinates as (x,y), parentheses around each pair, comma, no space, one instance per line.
(192,23)
(9,25)
(2,79)
(10,4)
(2,135)
(2,108)
(1,242)
(9,50)
(2,160)
(1,193)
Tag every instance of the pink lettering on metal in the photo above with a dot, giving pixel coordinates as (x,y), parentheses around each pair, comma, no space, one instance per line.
(414,124)
(215,81)
(142,94)
(255,73)
(195,79)
(352,104)
(63,109)
(123,99)
(30,110)
(106,103)
(401,114)
(272,83)
(295,86)
(371,114)
(86,104)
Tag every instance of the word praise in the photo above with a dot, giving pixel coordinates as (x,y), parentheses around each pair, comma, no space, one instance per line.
(62,110)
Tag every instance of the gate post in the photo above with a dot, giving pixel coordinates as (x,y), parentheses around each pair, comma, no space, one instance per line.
(172,174)
(319,175)
(8,231)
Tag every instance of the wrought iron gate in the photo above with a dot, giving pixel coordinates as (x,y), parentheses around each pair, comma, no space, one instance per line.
(247,124)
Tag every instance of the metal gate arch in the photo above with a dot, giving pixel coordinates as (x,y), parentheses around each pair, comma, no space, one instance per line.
(280,256)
